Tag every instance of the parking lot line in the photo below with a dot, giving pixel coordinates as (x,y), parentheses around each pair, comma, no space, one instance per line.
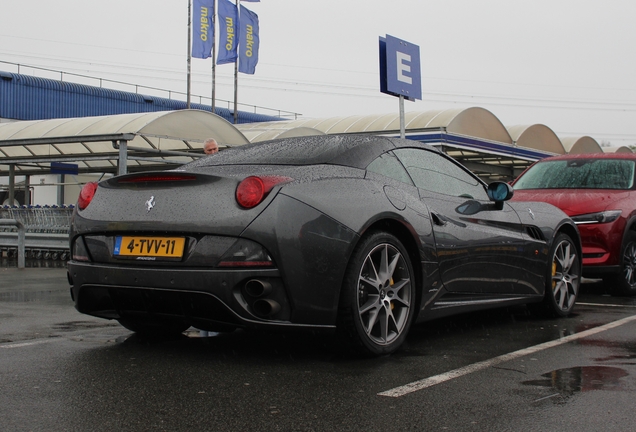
(605,305)
(24,344)
(438,379)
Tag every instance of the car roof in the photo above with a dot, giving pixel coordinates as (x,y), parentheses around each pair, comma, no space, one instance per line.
(630,156)
(351,150)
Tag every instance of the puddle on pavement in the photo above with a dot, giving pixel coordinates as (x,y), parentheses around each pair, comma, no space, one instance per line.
(628,347)
(581,379)
(625,357)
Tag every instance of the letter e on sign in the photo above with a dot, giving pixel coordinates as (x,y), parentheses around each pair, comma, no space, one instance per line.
(402,68)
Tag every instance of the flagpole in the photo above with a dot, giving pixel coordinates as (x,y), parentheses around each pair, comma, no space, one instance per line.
(213,104)
(235,91)
(236,71)
(189,52)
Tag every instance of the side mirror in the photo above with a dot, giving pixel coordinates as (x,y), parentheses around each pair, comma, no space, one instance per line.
(499,192)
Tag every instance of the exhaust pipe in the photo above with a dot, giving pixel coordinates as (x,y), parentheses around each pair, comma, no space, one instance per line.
(266,307)
(257,288)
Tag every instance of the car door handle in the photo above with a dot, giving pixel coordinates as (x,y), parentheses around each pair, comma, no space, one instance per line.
(438,219)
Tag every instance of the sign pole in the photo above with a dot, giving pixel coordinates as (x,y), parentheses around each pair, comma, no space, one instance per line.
(402,126)
(189,52)
(236,91)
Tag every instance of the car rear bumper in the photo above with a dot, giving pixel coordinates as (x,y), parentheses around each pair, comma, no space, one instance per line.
(208,299)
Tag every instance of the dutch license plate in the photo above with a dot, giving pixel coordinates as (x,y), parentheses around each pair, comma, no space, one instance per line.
(160,247)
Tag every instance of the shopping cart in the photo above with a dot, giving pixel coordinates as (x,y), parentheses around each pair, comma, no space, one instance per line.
(47,229)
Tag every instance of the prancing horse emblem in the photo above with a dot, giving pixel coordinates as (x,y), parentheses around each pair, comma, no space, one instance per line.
(150,203)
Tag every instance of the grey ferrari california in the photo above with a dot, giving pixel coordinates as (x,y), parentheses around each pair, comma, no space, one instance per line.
(359,235)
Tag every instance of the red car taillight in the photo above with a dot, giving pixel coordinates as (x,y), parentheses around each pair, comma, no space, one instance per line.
(251,191)
(86,195)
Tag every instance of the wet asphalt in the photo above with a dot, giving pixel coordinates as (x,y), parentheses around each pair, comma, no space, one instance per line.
(63,371)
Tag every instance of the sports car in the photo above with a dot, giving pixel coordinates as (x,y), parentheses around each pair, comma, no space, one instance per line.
(359,235)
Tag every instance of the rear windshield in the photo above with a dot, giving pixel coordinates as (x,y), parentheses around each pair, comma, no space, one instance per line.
(579,174)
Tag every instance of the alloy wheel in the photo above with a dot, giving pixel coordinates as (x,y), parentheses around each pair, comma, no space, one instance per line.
(629,264)
(565,275)
(384,295)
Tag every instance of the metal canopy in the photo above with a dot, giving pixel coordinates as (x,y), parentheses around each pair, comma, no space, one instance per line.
(109,143)
(161,140)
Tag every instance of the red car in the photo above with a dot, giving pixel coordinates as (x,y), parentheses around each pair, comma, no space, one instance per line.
(597,192)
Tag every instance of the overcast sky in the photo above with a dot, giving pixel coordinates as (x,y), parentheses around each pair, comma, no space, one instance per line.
(568,64)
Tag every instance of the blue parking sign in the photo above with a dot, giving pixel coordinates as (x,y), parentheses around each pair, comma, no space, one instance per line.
(400,73)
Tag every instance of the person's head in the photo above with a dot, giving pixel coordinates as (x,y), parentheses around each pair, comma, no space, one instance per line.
(210,146)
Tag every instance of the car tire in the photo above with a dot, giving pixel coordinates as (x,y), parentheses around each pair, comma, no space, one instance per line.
(563,279)
(377,301)
(154,328)
(624,283)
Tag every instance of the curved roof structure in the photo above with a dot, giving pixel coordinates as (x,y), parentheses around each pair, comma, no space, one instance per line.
(621,149)
(584,144)
(182,125)
(537,136)
(300,131)
(91,142)
(258,135)
(476,122)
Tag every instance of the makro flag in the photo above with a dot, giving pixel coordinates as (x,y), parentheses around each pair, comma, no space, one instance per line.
(202,28)
(228,32)
(248,41)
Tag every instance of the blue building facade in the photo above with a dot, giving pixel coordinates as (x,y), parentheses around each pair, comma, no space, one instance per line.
(23,97)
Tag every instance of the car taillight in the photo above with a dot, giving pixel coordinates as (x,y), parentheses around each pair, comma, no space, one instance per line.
(86,195)
(253,190)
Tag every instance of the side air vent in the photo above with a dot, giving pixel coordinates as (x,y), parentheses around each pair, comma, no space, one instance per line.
(535,233)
